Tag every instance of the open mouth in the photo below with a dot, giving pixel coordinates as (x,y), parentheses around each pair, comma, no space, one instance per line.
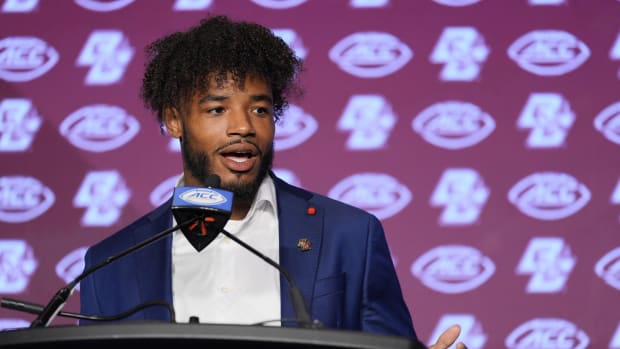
(238,156)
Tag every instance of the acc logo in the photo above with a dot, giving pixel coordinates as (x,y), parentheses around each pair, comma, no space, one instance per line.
(608,268)
(456,3)
(163,191)
(288,176)
(549,195)
(99,127)
(453,124)
(103,6)
(71,265)
(379,194)
(453,268)
(548,52)
(294,129)
(547,333)
(370,54)
(23,199)
(203,196)
(608,122)
(25,58)
(293,40)
(278,4)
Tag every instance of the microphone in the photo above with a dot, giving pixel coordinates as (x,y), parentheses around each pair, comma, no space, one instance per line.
(208,206)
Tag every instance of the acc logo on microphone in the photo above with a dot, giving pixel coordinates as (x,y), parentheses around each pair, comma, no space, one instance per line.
(453,268)
(203,196)
(549,195)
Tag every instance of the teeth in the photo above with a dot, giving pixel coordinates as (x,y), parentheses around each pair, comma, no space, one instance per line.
(238,159)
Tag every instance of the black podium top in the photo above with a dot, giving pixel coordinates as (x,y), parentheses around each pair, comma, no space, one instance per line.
(187,336)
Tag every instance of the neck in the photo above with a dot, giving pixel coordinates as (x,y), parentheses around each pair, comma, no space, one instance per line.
(240,210)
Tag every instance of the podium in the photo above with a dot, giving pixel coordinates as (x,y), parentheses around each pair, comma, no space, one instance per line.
(186,336)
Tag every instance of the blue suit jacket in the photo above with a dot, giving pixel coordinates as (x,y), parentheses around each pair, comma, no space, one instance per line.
(347,277)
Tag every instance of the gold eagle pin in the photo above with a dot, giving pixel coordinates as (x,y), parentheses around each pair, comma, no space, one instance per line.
(304,244)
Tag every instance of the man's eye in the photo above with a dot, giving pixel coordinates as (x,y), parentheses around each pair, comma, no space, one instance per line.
(262,110)
(217,110)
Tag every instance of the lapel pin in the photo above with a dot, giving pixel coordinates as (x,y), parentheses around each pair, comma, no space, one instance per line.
(311,211)
(304,245)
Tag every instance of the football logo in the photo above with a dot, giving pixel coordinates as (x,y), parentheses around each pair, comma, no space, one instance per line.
(549,195)
(453,125)
(453,268)
(25,58)
(547,333)
(549,52)
(377,193)
(99,127)
(370,54)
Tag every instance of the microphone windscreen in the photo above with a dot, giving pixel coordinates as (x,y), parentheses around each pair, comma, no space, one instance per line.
(212,181)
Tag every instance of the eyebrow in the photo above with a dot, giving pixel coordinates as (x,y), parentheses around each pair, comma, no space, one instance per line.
(219,98)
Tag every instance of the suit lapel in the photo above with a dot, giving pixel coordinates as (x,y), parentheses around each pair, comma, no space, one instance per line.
(298,225)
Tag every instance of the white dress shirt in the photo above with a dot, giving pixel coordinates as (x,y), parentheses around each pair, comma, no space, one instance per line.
(225,283)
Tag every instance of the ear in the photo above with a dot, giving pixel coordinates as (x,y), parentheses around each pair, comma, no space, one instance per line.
(173,123)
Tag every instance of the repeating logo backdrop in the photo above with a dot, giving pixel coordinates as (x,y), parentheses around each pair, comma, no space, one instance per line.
(485,134)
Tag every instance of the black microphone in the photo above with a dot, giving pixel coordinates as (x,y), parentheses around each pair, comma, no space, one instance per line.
(209,206)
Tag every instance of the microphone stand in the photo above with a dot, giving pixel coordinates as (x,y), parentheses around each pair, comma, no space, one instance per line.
(54,306)
(299,305)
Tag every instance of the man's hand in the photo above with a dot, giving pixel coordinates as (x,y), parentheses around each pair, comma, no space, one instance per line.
(448,337)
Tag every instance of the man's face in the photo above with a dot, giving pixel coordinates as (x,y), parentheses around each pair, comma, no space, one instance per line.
(228,131)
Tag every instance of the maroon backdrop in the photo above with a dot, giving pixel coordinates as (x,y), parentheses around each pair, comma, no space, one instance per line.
(484,134)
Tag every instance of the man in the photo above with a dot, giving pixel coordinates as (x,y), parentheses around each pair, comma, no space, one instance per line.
(219,88)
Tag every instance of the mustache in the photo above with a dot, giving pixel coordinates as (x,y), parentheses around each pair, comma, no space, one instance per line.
(239,141)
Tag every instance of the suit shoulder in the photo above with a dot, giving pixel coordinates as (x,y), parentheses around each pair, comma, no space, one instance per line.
(126,235)
(330,205)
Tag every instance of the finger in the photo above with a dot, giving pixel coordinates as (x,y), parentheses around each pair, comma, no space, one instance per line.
(461,345)
(447,338)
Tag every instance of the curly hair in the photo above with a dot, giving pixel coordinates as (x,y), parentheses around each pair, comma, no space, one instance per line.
(183,63)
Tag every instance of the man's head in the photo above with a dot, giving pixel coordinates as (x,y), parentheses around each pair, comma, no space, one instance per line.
(219,87)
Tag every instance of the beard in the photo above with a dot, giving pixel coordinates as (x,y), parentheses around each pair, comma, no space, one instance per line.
(198,164)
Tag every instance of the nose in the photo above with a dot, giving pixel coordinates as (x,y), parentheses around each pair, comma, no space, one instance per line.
(240,123)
